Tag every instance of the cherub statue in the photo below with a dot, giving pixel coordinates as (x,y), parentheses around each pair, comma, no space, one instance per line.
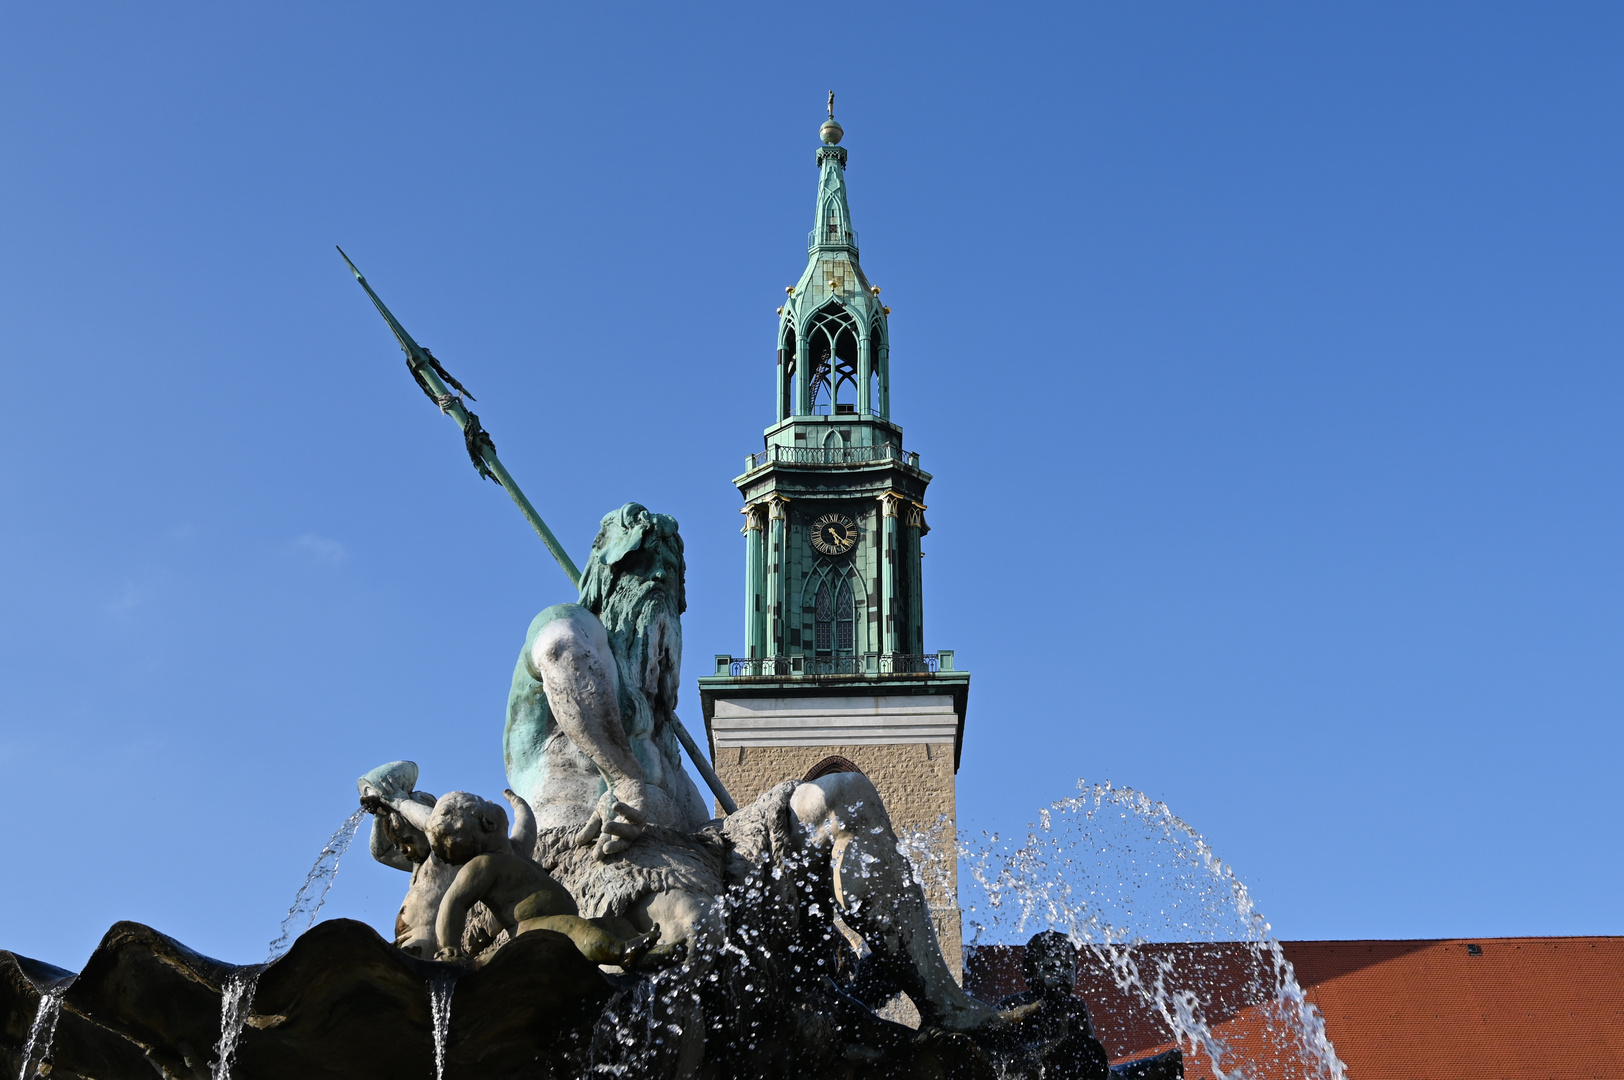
(469,832)
(461,855)
(400,814)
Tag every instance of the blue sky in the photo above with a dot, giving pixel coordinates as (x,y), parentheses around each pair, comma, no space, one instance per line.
(1267,359)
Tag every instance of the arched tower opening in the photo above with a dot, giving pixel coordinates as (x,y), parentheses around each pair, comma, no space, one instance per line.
(786,372)
(831,349)
(879,370)
(830,766)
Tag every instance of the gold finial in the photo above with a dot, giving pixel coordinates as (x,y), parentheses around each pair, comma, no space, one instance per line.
(830,132)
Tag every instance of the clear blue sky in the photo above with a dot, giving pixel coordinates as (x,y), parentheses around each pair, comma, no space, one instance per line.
(1267,358)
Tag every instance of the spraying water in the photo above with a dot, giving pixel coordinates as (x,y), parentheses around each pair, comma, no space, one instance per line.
(237,997)
(1111,868)
(440,991)
(43,1030)
(313,893)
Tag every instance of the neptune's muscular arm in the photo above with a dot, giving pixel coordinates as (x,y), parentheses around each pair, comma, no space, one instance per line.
(565,745)
(529,720)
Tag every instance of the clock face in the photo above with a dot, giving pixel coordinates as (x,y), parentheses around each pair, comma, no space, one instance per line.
(834,534)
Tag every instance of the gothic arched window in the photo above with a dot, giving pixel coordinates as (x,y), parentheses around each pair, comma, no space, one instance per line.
(834,618)
(832,346)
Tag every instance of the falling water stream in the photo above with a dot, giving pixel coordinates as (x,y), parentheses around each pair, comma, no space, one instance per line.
(45,1018)
(237,996)
(1112,869)
(440,991)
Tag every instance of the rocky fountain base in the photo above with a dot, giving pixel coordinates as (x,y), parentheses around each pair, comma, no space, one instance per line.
(342,1003)
(345,1004)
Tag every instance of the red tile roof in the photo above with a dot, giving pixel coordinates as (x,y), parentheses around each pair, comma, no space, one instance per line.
(1519,1009)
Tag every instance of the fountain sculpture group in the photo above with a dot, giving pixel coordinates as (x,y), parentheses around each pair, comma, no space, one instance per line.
(608,927)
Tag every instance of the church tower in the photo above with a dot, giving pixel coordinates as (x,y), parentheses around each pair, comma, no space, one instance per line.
(834,674)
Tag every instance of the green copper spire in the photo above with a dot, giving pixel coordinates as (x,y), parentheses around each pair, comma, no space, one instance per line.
(834,506)
(831,228)
(833,355)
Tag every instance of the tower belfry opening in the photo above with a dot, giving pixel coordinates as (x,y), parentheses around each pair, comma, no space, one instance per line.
(834,665)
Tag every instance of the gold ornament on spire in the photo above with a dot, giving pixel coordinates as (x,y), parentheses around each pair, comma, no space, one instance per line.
(831,132)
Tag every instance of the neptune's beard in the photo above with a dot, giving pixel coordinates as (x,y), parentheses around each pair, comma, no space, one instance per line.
(645,634)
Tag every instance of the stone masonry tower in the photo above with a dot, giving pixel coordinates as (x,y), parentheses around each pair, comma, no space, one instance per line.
(835,676)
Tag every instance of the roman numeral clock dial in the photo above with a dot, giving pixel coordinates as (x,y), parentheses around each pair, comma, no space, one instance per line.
(834,534)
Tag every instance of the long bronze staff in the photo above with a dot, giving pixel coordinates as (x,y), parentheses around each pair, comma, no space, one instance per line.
(438,384)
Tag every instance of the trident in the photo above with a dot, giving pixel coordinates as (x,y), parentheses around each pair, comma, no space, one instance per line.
(447,393)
